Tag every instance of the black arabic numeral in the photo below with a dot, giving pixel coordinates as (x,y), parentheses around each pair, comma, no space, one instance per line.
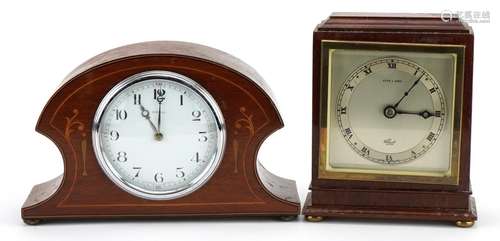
(138,170)
(196,157)
(180,173)
(196,115)
(121,156)
(137,99)
(159,94)
(159,177)
(203,137)
(121,114)
(114,135)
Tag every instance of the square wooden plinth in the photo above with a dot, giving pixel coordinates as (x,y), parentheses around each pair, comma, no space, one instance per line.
(463,218)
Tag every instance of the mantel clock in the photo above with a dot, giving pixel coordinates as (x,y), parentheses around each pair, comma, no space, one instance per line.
(161,129)
(391,118)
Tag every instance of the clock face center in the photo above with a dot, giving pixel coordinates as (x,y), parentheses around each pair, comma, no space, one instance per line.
(390,112)
(158,136)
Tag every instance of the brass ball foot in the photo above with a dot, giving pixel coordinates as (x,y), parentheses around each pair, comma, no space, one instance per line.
(314,218)
(32,221)
(464,224)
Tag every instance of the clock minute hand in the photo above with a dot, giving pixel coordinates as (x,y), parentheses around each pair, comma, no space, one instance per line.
(409,90)
(158,134)
(159,117)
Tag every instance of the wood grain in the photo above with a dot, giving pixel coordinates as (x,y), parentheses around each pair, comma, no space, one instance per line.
(236,189)
(351,198)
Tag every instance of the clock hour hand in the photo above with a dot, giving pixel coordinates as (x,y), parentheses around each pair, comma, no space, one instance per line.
(391,112)
(424,114)
(409,90)
(145,114)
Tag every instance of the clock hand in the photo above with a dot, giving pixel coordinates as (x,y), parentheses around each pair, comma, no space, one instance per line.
(159,135)
(424,114)
(145,114)
(391,112)
(159,116)
(407,92)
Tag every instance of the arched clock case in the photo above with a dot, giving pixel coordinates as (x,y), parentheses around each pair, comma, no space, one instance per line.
(238,186)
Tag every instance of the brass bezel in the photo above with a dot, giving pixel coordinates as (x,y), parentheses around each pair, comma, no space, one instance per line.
(324,172)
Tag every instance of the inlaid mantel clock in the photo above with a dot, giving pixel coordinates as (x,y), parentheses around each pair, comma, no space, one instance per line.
(391,118)
(161,129)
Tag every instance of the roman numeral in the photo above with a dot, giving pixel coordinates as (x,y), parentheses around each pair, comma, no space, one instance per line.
(343,110)
(391,65)
(365,151)
(388,158)
(431,136)
(367,70)
(348,132)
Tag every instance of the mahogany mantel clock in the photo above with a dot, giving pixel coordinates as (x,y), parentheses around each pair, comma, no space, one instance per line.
(392,118)
(161,129)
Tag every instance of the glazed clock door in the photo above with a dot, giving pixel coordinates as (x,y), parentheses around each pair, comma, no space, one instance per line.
(390,115)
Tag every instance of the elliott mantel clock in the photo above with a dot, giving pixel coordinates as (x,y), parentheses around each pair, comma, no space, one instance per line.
(391,118)
(161,129)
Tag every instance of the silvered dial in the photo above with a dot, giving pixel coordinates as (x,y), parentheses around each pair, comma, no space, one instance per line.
(391,110)
(158,135)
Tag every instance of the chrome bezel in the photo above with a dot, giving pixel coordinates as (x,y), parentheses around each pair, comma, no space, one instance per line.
(194,184)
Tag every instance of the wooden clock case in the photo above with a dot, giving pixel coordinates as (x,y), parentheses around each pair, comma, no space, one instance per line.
(393,200)
(241,186)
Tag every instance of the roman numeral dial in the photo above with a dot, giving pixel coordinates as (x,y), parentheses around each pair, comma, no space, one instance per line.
(390,110)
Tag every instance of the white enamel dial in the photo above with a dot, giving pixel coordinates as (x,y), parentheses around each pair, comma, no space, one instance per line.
(158,135)
(390,110)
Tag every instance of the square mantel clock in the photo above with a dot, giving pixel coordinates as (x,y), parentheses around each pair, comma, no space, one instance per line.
(391,118)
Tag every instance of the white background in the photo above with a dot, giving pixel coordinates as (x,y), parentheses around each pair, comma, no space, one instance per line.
(42,41)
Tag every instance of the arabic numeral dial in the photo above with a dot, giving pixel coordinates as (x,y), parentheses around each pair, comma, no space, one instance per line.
(158,135)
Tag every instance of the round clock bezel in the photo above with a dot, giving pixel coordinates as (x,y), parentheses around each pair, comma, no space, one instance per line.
(194,184)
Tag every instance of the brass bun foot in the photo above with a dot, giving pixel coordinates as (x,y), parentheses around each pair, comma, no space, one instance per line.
(288,218)
(32,221)
(464,224)
(314,218)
